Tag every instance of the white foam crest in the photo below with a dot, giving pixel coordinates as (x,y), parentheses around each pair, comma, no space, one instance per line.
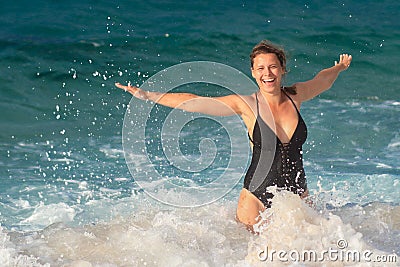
(144,232)
(167,195)
(112,152)
(205,236)
(292,226)
(44,215)
(394,144)
(379,223)
(9,254)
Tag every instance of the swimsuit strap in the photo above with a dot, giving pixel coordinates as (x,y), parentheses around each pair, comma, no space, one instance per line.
(283,90)
(258,112)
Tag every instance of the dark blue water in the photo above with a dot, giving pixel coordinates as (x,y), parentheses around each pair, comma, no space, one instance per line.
(62,118)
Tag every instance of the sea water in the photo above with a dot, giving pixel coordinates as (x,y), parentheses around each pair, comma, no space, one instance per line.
(68,196)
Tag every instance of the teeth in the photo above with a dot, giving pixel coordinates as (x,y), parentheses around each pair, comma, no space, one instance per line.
(268,80)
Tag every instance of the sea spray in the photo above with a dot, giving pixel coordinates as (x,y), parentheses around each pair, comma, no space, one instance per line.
(293,232)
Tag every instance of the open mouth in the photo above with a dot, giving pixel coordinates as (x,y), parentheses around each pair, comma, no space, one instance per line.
(266,81)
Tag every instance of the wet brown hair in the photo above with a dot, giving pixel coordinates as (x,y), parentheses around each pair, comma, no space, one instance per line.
(266,47)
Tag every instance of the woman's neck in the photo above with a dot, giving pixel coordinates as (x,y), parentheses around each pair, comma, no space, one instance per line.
(272,98)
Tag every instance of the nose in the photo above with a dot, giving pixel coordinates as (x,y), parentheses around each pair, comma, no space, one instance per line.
(268,72)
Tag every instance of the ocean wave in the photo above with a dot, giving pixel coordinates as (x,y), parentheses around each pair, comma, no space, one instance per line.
(153,234)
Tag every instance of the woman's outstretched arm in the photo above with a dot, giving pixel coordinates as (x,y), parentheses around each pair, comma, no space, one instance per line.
(323,80)
(216,106)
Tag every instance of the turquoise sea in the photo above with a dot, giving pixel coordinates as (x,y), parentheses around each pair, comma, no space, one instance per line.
(71,195)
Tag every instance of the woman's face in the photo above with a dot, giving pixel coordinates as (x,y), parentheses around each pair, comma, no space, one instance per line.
(267,71)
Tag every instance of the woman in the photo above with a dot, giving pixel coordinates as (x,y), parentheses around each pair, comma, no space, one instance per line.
(273,121)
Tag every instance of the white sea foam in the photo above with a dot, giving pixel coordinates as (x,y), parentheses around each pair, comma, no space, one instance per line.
(9,255)
(157,235)
(339,191)
(206,236)
(44,215)
(292,232)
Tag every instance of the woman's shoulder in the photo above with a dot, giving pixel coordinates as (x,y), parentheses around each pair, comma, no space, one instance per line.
(247,103)
(293,95)
(248,100)
(251,97)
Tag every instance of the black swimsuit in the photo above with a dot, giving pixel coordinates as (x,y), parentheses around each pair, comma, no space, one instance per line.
(275,163)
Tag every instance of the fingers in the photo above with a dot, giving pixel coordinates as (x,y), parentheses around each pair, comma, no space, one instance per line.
(133,90)
(129,88)
(344,60)
(347,60)
(121,86)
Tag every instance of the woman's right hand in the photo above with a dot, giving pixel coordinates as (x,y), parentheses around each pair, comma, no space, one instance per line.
(135,91)
(215,106)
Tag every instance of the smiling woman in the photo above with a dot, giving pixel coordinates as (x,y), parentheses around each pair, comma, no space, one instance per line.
(271,115)
(267,48)
(62,156)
